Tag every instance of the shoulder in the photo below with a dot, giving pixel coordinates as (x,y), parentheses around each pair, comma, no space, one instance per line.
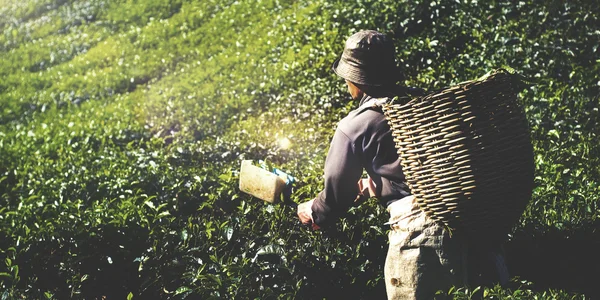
(365,120)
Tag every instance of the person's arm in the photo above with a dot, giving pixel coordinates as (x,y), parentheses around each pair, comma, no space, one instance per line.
(343,169)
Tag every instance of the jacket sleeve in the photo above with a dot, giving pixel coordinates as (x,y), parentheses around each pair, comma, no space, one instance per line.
(343,169)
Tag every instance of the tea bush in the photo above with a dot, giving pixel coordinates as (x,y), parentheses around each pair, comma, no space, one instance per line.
(123,125)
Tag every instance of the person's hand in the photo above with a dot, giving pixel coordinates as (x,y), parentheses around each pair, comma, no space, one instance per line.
(367,189)
(305,213)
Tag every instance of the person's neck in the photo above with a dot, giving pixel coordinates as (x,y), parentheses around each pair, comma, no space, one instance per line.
(364,99)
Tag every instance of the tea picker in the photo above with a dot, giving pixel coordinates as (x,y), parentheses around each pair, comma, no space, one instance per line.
(454,169)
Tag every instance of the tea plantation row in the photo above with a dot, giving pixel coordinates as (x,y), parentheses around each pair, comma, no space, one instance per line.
(123,124)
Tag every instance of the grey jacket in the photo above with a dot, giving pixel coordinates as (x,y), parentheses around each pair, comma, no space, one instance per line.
(362,140)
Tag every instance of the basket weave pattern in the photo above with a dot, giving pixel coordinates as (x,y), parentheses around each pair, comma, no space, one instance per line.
(466,154)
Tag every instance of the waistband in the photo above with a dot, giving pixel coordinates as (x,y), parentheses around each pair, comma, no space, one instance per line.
(402,206)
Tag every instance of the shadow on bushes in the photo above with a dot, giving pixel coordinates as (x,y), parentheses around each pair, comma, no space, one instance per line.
(558,259)
(104,256)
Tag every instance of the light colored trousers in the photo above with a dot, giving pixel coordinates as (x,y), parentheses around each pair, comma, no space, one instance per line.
(424,258)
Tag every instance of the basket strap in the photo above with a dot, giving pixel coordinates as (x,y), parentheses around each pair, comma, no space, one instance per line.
(373,103)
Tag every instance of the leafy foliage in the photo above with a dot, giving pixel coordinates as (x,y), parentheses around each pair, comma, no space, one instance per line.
(123,123)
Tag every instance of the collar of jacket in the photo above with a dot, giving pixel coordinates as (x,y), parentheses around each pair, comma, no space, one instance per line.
(368,101)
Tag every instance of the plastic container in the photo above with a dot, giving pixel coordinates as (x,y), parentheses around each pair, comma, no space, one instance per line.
(261,183)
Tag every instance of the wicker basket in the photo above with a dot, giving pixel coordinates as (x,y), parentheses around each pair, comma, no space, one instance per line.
(467,155)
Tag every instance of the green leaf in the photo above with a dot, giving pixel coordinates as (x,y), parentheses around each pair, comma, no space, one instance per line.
(228,232)
(182,289)
(164,214)
(150,204)
(271,253)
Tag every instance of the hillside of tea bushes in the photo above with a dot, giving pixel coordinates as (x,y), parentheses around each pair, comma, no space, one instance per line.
(123,124)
